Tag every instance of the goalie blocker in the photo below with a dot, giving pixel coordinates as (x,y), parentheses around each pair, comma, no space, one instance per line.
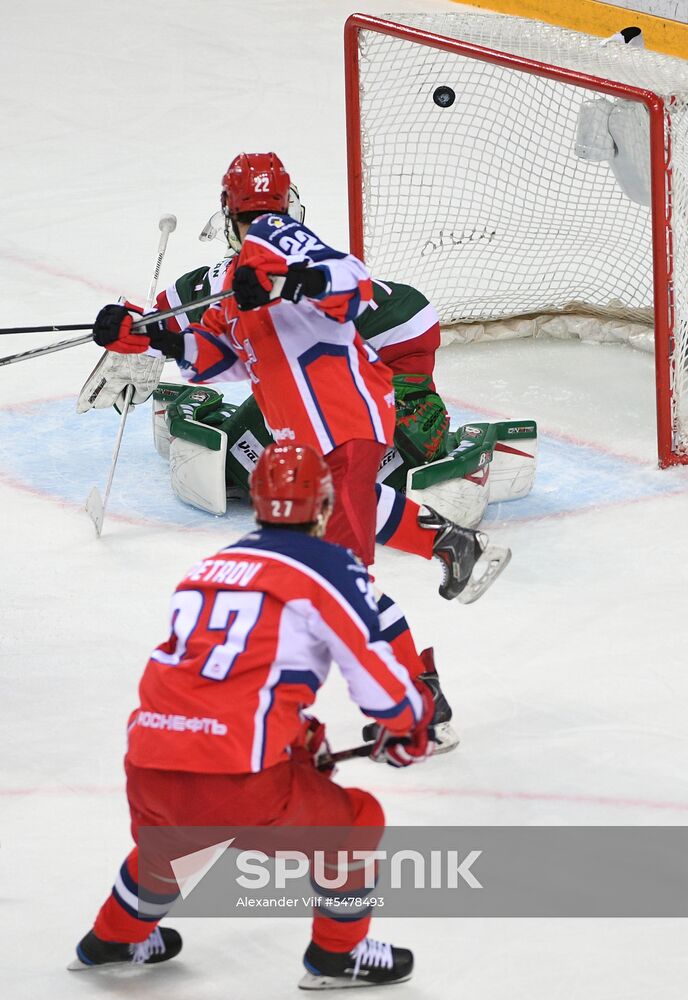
(212,447)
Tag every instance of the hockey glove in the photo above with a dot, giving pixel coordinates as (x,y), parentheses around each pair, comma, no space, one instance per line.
(168,342)
(303,280)
(251,289)
(311,745)
(112,330)
(416,746)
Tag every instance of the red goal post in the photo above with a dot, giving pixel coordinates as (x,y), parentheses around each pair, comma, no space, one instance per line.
(410,170)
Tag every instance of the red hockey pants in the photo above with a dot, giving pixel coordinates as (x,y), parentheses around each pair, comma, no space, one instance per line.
(287,794)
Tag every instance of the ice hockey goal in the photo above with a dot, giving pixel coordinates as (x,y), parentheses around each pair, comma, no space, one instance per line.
(509,168)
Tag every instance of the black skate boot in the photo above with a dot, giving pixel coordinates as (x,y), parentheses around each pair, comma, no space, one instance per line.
(445,736)
(163,944)
(460,550)
(370,963)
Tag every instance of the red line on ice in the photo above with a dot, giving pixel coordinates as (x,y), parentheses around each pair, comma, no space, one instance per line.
(558,435)
(574,798)
(467,793)
(56,272)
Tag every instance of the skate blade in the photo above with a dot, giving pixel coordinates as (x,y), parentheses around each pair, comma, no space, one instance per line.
(492,562)
(119,969)
(76,965)
(310,981)
(446,738)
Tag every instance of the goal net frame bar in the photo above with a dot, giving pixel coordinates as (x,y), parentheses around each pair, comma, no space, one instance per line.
(660,172)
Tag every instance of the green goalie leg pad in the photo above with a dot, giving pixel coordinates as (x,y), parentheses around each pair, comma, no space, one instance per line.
(512,472)
(172,401)
(457,486)
(192,413)
(170,392)
(189,416)
(247,436)
(500,457)
(511,430)
(470,449)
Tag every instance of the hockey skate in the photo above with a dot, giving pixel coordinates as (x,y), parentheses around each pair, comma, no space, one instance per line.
(163,944)
(470,564)
(370,963)
(445,736)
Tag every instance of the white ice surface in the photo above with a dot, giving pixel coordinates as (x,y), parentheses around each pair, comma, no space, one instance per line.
(568,680)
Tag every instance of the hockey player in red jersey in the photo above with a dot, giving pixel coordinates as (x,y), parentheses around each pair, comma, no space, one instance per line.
(289,329)
(254,629)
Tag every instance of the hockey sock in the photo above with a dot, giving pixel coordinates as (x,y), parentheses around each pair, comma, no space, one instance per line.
(397,523)
(342,933)
(119,919)
(354,466)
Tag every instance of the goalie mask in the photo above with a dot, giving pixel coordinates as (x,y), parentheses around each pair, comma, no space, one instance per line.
(218,226)
(291,484)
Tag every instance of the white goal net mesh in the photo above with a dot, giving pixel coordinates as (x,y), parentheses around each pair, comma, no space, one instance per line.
(524,196)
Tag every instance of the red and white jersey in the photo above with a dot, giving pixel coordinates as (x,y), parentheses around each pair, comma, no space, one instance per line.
(253,632)
(316,381)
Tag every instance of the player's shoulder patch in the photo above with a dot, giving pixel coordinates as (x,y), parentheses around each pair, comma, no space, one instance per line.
(278,221)
(271,226)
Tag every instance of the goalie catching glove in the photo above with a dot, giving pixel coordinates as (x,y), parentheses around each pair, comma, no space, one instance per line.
(413,748)
(113,331)
(422,424)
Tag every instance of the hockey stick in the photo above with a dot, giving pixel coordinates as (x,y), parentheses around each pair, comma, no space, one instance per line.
(61,345)
(140,324)
(56,328)
(95,506)
(325,763)
(363,750)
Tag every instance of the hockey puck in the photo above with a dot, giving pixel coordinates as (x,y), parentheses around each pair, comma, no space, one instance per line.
(444,97)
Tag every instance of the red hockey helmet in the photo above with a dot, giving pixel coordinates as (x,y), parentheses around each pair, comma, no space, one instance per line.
(255,182)
(291,484)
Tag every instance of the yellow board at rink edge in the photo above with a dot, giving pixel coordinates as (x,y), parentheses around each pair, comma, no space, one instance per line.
(595,18)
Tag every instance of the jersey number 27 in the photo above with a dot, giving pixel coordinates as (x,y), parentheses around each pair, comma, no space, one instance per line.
(233,616)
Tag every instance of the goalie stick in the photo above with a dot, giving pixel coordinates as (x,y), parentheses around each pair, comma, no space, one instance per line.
(95,505)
